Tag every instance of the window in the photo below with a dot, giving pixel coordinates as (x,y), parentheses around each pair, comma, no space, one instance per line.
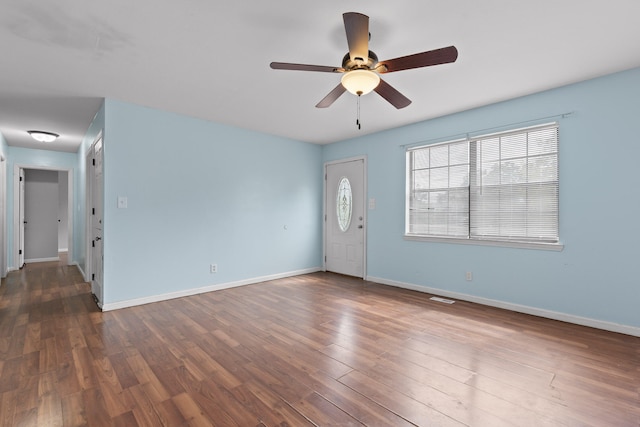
(344,204)
(498,187)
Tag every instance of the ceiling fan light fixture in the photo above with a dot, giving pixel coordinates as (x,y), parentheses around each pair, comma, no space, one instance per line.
(360,66)
(360,82)
(42,136)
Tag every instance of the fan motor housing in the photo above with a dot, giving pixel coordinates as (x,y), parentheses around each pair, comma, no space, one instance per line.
(359,63)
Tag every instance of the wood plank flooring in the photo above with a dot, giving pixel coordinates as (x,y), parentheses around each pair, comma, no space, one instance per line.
(314,350)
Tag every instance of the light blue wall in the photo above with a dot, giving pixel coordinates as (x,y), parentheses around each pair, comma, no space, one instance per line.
(33,159)
(201,193)
(595,276)
(79,236)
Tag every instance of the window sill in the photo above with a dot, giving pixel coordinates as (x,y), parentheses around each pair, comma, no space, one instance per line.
(499,243)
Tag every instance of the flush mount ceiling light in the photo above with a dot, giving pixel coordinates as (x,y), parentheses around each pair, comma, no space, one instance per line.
(42,136)
(360,82)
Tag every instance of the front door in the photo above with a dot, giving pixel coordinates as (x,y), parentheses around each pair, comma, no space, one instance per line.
(345,218)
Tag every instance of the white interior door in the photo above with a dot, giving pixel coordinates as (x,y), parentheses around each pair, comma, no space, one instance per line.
(97,261)
(63,211)
(88,230)
(21,220)
(3,217)
(40,215)
(345,218)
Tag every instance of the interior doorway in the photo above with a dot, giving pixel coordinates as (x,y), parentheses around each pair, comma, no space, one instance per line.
(40,223)
(43,214)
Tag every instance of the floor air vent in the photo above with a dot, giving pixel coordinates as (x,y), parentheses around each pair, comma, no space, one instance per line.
(444,300)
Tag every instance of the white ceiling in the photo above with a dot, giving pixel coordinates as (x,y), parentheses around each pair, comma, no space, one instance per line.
(210,59)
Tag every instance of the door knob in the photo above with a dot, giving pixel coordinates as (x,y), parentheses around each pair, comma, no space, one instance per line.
(360,226)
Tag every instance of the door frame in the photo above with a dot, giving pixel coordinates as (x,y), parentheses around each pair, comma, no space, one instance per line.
(364,211)
(3,216)
(16,208)
(89,193)
(22,185)
(88,203)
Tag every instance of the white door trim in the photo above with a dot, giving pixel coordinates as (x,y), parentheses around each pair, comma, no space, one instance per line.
(88,204)
(16,208)
(91,187)
(88,226)
(22,183)
(3,216)
(365,208)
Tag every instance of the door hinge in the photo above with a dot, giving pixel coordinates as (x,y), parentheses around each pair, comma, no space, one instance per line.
(93,277)
(325,258)
(93,211)
(93,161)
(93,243)
(20,252)
(20,179)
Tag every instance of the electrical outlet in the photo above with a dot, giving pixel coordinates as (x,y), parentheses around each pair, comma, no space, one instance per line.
(213,268)
(469,276)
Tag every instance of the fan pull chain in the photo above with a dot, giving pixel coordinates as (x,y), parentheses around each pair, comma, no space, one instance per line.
(358,114)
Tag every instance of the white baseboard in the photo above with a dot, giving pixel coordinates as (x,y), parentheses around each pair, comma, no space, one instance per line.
(31,261)
(555,315)
(188,292)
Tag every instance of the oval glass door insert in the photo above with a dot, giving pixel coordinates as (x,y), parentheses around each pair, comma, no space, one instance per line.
(344,204)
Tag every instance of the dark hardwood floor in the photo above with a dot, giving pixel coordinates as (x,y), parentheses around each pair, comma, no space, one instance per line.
(319,349)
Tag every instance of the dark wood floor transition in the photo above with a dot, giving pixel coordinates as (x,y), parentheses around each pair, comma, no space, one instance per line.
(319,349)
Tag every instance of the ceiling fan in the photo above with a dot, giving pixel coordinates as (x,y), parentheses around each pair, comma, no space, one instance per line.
(360,67)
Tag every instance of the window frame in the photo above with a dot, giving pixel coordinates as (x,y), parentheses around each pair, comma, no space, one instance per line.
(469,239)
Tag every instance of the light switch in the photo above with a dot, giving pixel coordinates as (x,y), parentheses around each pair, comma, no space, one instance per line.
(372,204)
(122,202)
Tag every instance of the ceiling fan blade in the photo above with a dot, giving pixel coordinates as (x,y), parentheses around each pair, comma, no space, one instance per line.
(305,67)
(394,97)
(444,55)
(356,26)
(331,97)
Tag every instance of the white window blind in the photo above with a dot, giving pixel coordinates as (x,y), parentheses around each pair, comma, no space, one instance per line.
(502,186)
(514,186)
(439,199)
